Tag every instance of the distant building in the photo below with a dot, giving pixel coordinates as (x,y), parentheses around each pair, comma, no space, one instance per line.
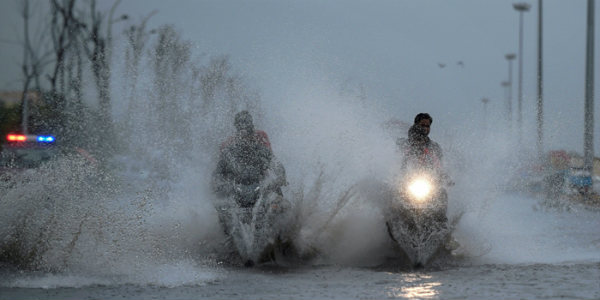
(576,161)
(13,98)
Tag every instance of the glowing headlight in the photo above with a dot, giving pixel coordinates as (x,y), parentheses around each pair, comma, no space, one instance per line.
(420,188)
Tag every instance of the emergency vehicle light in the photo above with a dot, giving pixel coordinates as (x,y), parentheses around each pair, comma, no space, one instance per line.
(16,138)
(45,139)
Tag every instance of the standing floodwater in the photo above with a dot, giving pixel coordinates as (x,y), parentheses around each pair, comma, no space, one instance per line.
(532,254)
(537,281)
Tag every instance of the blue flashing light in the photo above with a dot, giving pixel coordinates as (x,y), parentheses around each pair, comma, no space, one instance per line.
(46,139)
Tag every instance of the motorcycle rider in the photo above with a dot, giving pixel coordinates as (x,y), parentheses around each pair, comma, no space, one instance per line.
(420,151)
(246,158)
(248,182)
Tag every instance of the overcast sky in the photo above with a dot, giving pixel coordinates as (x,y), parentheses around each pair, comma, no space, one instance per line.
(392,48)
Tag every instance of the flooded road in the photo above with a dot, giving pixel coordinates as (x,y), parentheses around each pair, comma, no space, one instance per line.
(531,253)
(538,281)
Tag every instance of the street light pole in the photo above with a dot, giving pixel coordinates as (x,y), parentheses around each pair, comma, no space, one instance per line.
(510,57)
(506,85)
(540,102)
(521,8)
(588,143)
(485,102)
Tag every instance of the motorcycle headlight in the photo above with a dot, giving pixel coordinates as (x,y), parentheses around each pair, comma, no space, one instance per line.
(420,188)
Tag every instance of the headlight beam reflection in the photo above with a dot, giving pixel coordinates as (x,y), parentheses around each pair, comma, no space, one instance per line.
(420,188)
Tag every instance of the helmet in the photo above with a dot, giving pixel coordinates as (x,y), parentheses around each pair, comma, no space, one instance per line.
(243,121)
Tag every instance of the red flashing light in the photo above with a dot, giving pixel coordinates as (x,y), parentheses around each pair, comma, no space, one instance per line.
(16,138)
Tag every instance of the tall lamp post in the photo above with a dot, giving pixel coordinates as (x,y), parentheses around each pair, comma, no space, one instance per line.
(506,86)
(510,57)
(540,101)
(485,102)
(521,8)
(588,143)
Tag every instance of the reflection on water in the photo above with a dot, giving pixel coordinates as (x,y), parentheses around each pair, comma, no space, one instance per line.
(416,286)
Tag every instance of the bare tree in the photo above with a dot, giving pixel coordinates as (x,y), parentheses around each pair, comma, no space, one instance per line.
(137,37)
(65,109)
(63,22)
(171,60)
(225,91)
(98,47)
(35,59)
(214,78)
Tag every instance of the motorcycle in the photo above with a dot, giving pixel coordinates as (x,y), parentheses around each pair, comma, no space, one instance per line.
(416,216)
(254,216)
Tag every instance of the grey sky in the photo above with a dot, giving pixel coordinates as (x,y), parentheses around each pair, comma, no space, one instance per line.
(392,48)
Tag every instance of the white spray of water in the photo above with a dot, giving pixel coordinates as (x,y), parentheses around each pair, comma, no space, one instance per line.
(505,224)
(154,223)
(82,226)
